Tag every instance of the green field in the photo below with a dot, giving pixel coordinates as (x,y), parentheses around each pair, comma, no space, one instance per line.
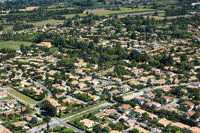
(95,11)
(107,13)
(13,44)
(41,23)
(22,96)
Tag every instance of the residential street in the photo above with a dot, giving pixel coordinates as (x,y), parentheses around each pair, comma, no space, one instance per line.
(56,121)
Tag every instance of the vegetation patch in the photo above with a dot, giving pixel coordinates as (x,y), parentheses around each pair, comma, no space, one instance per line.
(15,45)
(21,96)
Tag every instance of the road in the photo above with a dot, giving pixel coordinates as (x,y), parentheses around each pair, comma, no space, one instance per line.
(135,94)
(55,122)
(88,110)
(61,122)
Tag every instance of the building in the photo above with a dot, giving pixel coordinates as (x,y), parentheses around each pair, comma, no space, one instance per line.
(88,123)
(44,44)
(139,100)
(4,129)
(125,88)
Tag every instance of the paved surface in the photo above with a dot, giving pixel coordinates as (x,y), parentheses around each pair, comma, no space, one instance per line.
(56,121)
(78,114)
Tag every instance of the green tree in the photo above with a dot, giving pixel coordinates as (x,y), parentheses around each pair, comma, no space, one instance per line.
(34,120)
(133,131)
(48,108)
(1,27)
(133,35)
(47,119)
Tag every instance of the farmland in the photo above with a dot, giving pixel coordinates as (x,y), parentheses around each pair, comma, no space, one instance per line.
(40,23)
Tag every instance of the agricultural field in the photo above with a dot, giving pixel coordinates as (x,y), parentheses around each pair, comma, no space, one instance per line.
(109,12)
(29,8)
(41,23)
(13,44)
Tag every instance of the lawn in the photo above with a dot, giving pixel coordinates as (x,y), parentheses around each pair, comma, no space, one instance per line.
(13,44)
(21,96)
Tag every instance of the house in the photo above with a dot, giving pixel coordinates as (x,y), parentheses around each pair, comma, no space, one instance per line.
(78,70)
(11,103)
(124,107)
(44,44)
(74,82)
(149,95)
(180,125)
(155,70)
(150,104)
(113,92)
(190,113)
(4,129)
(171,109)
(114,131)
(88,123)
(125,88)
(53,102)
(166,89)
(164,122)
(191,87)
(19,123)
(130,122)
(140,111)
(184,90)
(94,82)
(110,111)
(166,98)
(139,100)
(3,95)
(100,115)
(82,85)
(188,104)
(141,130)
(95,97)
(194,129)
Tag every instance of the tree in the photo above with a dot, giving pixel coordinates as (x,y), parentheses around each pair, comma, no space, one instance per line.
(155,13)
(66,63)
(1,27)
(60,113)
(39,38)
(47,119)
(134,130)
(34,120)
(97,128)
(145,116)
(48,108)
(96,39)
(133,35)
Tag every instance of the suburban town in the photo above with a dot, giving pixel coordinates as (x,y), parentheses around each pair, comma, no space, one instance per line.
(122,73)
